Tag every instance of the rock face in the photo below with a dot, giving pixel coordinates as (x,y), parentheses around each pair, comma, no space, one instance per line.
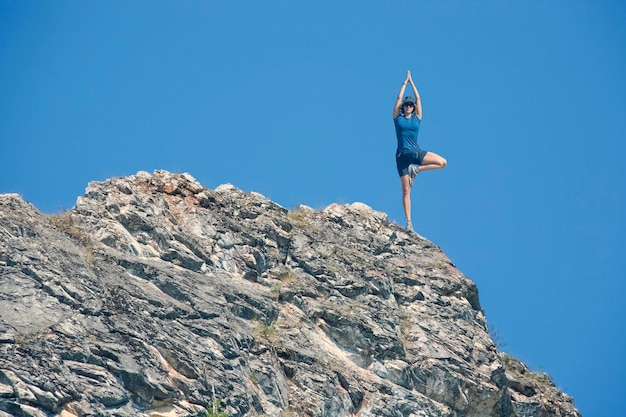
(155,296)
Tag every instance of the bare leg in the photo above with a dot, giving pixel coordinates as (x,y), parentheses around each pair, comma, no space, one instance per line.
(432,161)
(406,196)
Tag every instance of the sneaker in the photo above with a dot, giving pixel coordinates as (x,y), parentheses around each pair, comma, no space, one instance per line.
(409,226)
(413,171)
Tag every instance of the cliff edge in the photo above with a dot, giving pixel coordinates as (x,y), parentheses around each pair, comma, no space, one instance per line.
(155,296)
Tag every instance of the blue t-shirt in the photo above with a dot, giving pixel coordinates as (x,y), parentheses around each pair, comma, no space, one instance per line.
(406,131)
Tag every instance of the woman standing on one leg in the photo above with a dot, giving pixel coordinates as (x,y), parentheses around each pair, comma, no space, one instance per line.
(410,158)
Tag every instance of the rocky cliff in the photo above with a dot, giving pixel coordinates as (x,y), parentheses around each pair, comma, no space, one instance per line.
(155,296)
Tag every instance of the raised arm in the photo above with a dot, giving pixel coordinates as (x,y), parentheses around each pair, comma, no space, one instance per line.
(418,102)
(398,106)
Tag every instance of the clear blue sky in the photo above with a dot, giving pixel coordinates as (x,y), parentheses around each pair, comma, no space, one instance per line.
(293,99)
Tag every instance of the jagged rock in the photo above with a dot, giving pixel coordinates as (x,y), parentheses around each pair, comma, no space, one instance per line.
(155,296)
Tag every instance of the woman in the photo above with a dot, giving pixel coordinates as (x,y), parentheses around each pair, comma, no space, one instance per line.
(410,158)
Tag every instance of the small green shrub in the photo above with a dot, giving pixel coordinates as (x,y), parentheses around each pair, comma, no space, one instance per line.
(65,223)
(512,364)
(275,290)
(265,332)
(350,309)
(287,276)
(542,376)
(299,217)
(324,254)
(497,338)
(214,410)
(405,327)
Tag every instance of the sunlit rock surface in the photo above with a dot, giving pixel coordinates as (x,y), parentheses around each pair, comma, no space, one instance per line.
(155,296)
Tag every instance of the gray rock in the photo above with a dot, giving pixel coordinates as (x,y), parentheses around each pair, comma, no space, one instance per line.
(155,296)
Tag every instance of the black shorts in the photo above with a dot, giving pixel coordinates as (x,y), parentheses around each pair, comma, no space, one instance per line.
(407,157)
